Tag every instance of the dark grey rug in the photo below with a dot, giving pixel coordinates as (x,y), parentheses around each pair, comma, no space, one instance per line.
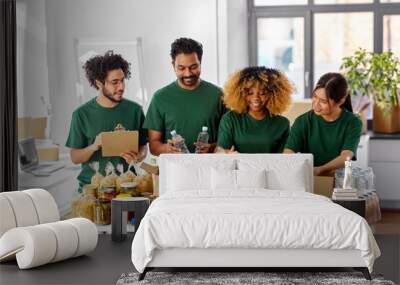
(229,278)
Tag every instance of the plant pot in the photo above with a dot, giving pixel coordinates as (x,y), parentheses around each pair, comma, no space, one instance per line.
(388,124)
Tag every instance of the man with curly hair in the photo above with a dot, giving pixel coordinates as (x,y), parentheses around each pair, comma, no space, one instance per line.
(256,97)
(107,74)
(185,105)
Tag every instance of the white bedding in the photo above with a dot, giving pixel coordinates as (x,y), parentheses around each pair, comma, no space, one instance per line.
(252,218)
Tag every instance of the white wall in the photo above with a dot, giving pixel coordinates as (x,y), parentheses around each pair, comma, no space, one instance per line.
(32,73)
(47,30)
(237,35)
(158,22)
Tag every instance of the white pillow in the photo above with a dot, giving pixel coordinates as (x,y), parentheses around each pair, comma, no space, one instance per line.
(251,178)
(285,174)
(186,176)
(226,179)
(223,179)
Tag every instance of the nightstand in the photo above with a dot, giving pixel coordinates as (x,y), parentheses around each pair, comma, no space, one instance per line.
(119,209)
(355,205)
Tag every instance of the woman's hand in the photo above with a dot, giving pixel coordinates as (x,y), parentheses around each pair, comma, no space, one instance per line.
(232,150)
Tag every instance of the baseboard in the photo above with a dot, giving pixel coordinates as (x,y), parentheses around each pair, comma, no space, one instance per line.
(390,204)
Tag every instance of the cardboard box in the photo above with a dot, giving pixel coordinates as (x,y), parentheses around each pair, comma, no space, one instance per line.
(298,108)
(117,142)
(323,185)
(48,153)
(29,127)
(37,128)
(23,127)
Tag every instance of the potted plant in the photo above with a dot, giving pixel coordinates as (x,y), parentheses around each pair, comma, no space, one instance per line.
(377,77)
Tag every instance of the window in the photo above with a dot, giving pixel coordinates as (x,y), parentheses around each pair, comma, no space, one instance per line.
(279,2)
(306,39)
(343,1)
(337,35)
(281,45)
(391,33)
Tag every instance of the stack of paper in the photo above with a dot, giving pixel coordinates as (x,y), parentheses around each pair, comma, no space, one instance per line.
(344,194)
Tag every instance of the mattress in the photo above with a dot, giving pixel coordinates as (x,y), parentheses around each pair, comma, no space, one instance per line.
(250,219)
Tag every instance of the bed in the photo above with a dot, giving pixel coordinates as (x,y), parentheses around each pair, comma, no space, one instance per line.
(246,211)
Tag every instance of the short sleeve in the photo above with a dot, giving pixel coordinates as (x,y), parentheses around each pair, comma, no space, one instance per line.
(284,136)
(76,137)
(225,132)
(352,135)
(154,119)
(295,140)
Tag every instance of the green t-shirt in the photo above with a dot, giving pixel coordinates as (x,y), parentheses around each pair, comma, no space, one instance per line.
(186,111)
(91,119)
(310,133)
(249,135)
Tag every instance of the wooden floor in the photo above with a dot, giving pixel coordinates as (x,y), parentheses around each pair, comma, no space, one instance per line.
(390,223)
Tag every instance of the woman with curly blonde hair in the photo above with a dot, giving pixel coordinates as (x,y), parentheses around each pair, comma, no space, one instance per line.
(256,96)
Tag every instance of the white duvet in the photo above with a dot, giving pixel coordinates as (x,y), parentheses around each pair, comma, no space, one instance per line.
(250,219)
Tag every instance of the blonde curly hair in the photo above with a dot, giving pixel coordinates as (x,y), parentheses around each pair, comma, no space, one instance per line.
(276,84)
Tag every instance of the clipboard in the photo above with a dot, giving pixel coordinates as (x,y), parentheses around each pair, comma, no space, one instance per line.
(116,142)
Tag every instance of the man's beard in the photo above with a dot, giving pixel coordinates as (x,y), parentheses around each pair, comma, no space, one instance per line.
(110,96)
(194,80)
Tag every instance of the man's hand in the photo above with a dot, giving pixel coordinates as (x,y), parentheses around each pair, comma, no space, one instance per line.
(96,145)
(204,147)
(130,156)
(169,147)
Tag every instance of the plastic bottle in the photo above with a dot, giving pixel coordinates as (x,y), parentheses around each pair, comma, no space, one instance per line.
(179,142)
(202,138)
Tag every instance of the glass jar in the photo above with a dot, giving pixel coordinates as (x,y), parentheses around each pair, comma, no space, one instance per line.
(145,184)
(86,205)
(102,212)
(106,193)
(89,189)
(129,188)
(75,206)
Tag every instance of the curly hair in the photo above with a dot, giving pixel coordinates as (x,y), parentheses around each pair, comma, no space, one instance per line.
(186,46)
(276,84)
(97,67)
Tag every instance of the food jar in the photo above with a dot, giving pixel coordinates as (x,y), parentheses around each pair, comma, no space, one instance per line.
(129,188)
(106,193)
(102,212)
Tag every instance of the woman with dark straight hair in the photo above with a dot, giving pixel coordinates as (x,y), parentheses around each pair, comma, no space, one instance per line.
(330,131)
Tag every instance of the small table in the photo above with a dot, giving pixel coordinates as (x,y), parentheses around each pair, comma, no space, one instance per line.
(119,209)
(355,205)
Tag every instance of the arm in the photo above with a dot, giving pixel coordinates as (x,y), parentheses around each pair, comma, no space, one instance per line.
(157,146)
(81,155)
(349,149)
(331,166)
